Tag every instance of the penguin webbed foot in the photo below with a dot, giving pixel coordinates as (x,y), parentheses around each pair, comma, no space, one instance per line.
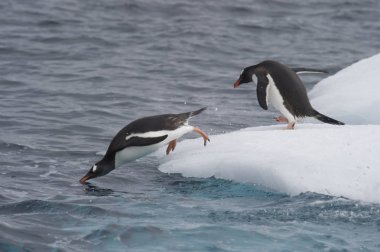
(203,134)
(281,119)
(171,146)
(290,126)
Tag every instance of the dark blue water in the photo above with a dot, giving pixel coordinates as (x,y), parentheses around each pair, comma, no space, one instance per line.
(72,73)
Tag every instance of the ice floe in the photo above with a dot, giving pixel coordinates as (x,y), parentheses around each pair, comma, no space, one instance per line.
(334,160)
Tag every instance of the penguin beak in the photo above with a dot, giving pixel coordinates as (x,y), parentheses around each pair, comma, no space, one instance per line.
(237,83)
(86,177)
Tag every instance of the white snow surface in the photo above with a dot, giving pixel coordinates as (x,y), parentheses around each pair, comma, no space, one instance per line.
(352,95)
(328,159)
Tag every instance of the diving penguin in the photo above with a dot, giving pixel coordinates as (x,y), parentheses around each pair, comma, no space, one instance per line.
(280,86)
(144,136)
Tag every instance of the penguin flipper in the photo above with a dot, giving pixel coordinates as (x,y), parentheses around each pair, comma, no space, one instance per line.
(262,85)
(304,70)
(144,141)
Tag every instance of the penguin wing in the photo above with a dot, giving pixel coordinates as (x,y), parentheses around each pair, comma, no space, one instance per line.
(144,141)
(304,70)
(119,142)
(262,84)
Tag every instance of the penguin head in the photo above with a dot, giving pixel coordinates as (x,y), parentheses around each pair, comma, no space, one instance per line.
(101,168)
(245,76)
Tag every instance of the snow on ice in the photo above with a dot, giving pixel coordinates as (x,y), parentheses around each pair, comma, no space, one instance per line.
(328,159)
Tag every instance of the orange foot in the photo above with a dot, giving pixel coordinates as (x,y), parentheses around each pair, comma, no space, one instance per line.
(281,119)
(171,146)
(204,135)
(291,126)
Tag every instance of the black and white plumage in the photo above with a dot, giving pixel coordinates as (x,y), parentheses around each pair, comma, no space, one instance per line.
(280,85)
(144,136)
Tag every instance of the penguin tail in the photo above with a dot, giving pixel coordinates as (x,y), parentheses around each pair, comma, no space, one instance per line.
(326,119)
(185,117)
(196,112)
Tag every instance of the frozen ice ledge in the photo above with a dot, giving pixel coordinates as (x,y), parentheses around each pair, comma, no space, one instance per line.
(334,160)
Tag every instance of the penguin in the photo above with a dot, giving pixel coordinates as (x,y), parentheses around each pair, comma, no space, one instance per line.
(144,136)
(280,85)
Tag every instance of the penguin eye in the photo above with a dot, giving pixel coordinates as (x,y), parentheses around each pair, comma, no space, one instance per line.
(94,168)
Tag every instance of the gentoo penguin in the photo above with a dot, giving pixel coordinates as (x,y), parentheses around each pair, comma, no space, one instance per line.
(144,136)
(280,86)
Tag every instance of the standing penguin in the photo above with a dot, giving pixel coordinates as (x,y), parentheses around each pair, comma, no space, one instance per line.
(279,85)
(144,136)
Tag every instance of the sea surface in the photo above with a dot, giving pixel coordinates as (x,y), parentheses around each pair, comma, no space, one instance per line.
(74,72)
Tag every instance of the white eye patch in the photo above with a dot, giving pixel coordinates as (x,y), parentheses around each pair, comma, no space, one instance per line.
(94,168)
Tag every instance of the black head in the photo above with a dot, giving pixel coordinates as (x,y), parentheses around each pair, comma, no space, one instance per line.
(245,76)
(101,168)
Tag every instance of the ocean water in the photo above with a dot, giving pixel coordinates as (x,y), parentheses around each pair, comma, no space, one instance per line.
(72,73)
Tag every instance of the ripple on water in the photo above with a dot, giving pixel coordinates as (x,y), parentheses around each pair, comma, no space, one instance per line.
(48,207)
(72,73)
(311,207)
(136,236)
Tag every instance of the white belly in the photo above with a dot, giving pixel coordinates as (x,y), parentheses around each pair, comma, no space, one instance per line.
(275,99)
(133,153)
